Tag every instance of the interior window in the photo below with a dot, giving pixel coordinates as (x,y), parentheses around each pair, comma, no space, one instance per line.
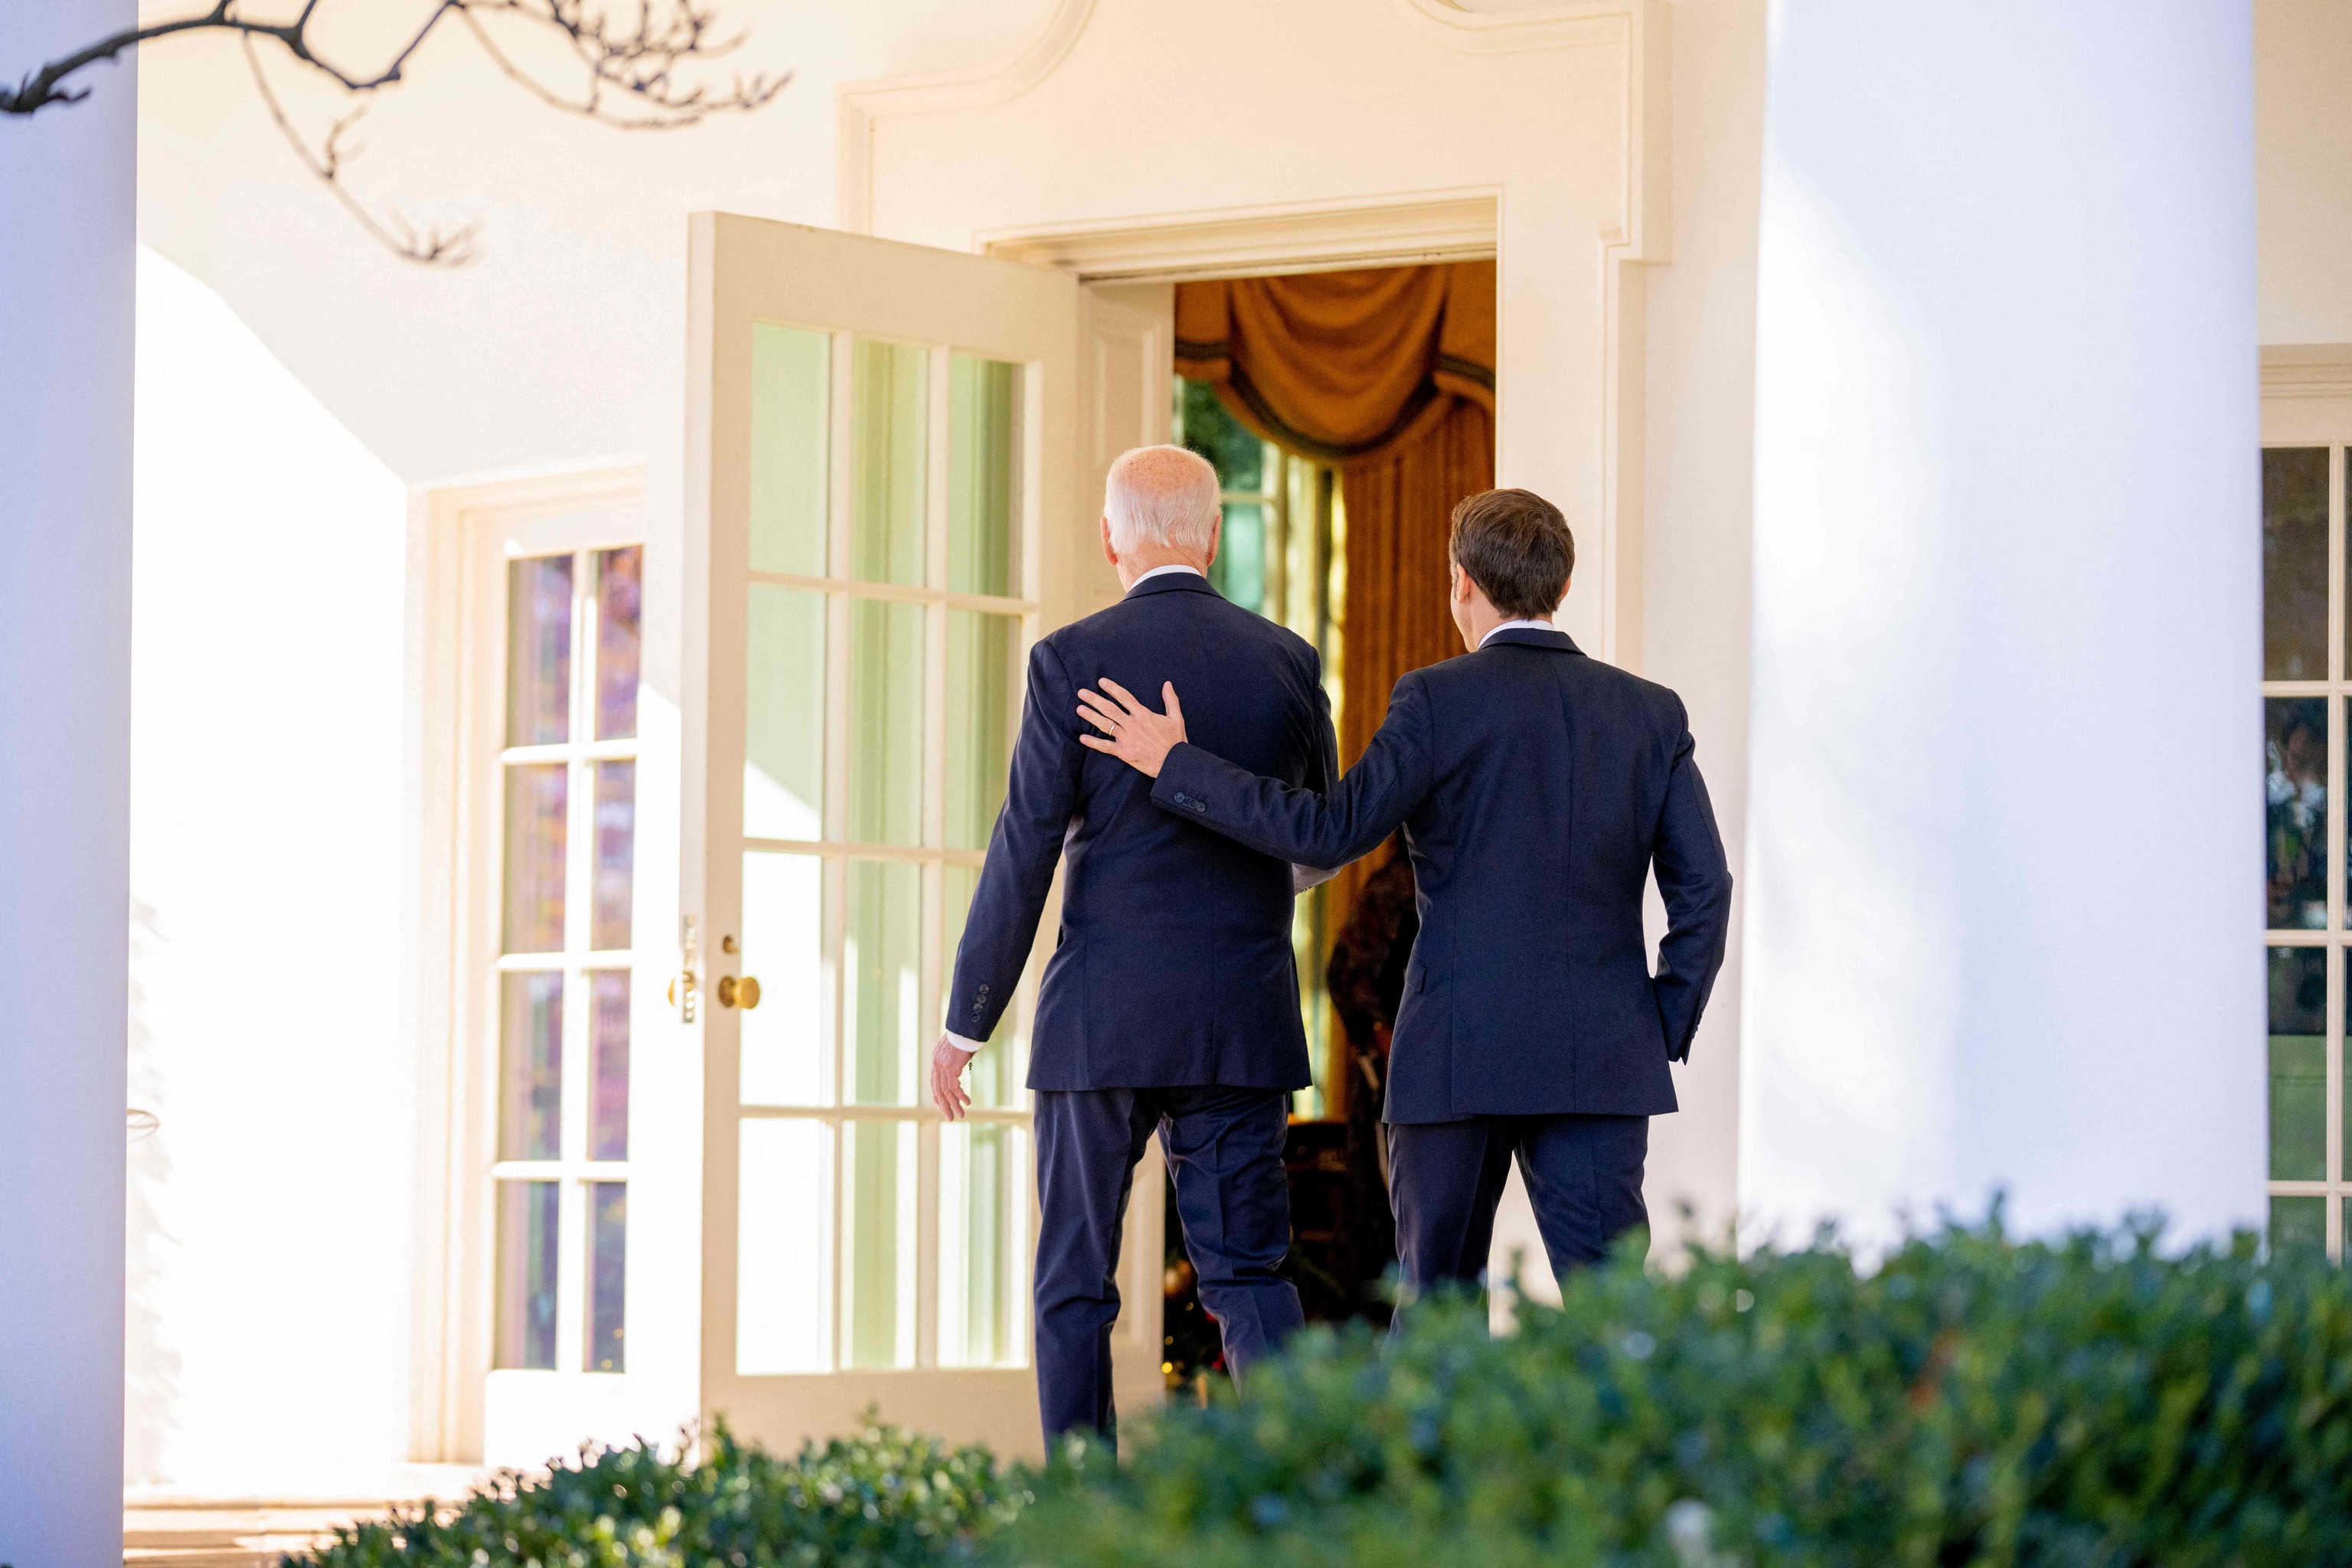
(2304,691)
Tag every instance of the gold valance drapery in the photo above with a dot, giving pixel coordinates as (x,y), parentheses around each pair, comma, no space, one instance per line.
(1347,368)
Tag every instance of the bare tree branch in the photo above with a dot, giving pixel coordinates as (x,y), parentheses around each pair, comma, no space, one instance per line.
(639,59)
(435,247)
(53,83)
(49,84)
(639,66)
(630,66)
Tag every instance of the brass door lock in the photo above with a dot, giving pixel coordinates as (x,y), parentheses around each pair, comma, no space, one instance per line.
(734,993)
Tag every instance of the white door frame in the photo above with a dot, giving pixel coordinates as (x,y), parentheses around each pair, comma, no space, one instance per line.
(1121,259)
(1401,230)
(456,636)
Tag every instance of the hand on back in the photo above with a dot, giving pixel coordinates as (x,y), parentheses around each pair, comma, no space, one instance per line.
(1138,736)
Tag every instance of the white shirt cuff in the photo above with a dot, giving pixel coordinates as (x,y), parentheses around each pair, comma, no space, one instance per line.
(962,1043)
(1305,877)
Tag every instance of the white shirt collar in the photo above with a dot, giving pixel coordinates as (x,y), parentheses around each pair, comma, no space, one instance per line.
(1512,627)
(1163,572)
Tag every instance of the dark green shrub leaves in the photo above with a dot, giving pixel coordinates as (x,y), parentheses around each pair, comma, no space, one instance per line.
(2086,1403)
(2091,1404)
(882,1500)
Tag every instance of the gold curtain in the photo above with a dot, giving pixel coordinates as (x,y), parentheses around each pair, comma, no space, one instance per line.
(1386,374)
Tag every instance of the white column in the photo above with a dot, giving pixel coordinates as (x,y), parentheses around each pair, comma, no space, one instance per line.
(2004,842)
(68,188)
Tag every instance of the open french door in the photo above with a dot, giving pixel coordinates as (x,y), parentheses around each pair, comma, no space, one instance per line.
(889,451)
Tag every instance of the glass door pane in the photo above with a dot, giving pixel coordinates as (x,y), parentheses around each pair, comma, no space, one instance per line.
(620,603)
(783,714)
(538,827)
(890,440)
(2295,564)
(539,651)
(792,383)
(879,1288)
(984,696)
(1239,571)
(984,456)
(608,1259)
(983,1234)
(530,1066)
(2294,788)
(886,722)
(883,957)
(2298,1223)
(783,1270)
(616,855)
(787,1044)
(529,1220)
(608,1046)
(2298,1052)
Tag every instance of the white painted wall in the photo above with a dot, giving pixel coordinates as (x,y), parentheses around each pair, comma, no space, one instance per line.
(66,342)
(2003,863)
(1700,419)
(270,1029)
(564,343)
(2303,140)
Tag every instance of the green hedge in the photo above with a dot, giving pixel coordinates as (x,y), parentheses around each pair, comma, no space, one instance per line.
(2092,1403)
(1970,1401)
(883,1499)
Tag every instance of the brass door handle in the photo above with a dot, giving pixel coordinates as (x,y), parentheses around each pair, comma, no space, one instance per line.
(744,993)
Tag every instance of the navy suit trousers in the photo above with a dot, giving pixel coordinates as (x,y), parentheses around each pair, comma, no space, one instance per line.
(1583,1175)
(1223,1148)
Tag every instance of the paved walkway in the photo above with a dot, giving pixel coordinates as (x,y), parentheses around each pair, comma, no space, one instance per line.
(167,1529)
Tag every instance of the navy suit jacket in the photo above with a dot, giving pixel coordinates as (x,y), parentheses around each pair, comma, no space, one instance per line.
(1174,963)
(1537,788)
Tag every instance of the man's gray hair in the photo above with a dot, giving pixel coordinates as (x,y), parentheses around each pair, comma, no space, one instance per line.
(1162,495)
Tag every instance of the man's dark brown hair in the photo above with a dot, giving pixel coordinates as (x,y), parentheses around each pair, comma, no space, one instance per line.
(1517,547)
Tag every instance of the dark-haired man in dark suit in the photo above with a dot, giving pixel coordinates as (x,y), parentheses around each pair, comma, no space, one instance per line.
(1172,1000)
(1538,790)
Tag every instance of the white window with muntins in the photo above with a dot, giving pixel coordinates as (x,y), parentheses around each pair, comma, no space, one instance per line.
(567,794)
(2306,686)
